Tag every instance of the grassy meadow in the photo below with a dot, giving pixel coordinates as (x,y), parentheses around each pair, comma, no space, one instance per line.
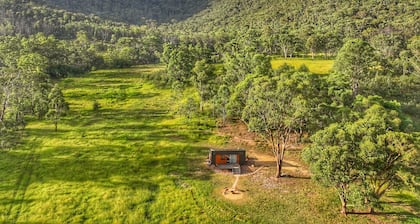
(134,161)
(317,66)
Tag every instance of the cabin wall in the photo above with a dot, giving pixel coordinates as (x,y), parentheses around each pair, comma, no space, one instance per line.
(221,157)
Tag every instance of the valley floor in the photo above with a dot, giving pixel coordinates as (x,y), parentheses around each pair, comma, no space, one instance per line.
(135,161)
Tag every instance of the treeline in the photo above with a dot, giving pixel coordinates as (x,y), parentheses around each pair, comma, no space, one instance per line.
(29,67)
(288,28)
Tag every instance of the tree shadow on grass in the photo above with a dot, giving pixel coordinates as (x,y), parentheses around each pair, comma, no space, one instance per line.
(47,131)
(296,177)
(119,116)
(136,170)
(403,216)
(272,163)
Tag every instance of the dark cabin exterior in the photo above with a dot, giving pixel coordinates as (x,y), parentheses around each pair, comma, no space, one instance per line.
(227,157)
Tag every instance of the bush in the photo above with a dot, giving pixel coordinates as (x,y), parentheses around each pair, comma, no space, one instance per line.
(96,106)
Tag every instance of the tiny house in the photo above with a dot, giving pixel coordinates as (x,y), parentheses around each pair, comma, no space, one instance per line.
(227,157)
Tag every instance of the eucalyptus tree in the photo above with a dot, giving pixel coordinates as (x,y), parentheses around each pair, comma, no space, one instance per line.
(221,101)
(411,57)
(357,61)
(50,48)
(289,41)
(35,82)
(366,156)
(179,62)
(58,106)
(279,107)
(315,43)
(332,158)
(203,75)
(236,67)
(259,66)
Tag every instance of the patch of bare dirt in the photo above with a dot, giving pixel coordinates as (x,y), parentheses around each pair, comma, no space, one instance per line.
(261,165)
(258,152)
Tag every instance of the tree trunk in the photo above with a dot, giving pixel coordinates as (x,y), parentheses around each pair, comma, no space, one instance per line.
(279,165)
(343,200)
(223,116)
(371,210)
(3,110)
(355,88)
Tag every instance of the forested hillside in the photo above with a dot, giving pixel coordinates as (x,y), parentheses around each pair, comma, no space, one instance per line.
(133,11)
(347,17)
(25,18)
(319,25)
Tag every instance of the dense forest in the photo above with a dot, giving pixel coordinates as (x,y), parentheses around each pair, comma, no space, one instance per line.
(367,105)
(131,11)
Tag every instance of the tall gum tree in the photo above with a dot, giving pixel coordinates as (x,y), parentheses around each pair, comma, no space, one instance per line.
(357,61)
(203,74)
(58,107)
(370,154)
(277,108)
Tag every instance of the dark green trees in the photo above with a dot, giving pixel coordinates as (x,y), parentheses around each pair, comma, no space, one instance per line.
(356,60)
(203,75)
(179,62)
(58,107)
(279,107)
(366,155)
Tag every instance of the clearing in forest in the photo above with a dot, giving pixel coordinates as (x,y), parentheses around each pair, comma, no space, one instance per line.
(317,66)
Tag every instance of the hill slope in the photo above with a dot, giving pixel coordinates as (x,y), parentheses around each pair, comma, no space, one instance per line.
(26,18)
(133,11)
(349,17)
(339,18)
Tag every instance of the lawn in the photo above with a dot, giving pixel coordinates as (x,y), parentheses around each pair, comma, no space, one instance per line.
(135,161)
(317,66)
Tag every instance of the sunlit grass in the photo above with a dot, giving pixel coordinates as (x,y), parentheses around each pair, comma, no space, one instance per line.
(317,66)
(107,166)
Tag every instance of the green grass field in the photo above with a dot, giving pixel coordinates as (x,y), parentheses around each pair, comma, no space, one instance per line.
(317,66)
(133,161)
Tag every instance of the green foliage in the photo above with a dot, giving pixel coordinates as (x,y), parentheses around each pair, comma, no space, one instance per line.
(58,106)
(356,60)
(303,68)
(96,105)
(236,67)
(134,12)
(277,107)
(239,96)
(368,155)
(135,159)
(179,62)
(188,108)
(221,102)
(203,75)
(38,43)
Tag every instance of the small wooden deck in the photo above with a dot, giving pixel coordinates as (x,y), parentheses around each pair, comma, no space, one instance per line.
(236,168)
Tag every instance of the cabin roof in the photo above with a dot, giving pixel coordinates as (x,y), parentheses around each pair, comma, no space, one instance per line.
(227,150)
